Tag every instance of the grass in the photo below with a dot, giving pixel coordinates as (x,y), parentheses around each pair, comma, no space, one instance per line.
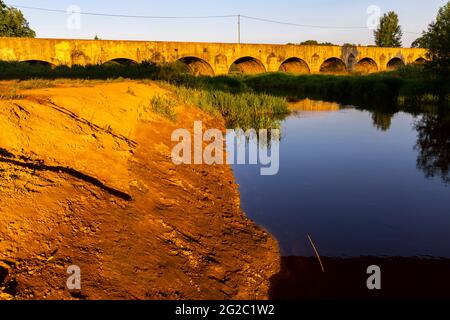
(389,88)
(252,100)
(240,110)
(23,71)
(10,95)
(34,84)
(164,106)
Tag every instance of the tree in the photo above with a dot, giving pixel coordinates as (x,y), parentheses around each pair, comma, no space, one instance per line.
(316,43)
(437,40)
(13,23)
(389,33)
(310,43)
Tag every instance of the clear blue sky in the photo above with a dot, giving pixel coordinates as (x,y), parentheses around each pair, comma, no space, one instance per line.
(415,15)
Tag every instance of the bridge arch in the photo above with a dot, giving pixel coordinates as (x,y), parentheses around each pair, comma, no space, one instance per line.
(197,66)
(366,65)
(295,65)
(247,65)
(41,63)
(121,61)
(420,61)
(395,63)
(333,65)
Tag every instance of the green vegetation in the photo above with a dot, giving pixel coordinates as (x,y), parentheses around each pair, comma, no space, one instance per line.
(164,106)
(11,95)
(410,84)
(228,96)
(437,40)
(242,110)
(389,32)
(13,23)
(407,86)
(34,84)
(314,43)
(26,71)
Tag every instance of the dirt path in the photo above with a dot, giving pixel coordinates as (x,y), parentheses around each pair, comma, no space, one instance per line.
(86,179)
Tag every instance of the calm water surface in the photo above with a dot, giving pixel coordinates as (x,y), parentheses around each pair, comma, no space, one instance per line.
(360,184)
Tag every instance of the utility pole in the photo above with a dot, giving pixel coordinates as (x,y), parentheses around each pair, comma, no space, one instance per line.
(239,28)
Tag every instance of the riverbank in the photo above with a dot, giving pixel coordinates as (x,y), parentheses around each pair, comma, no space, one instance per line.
(408,88)
(87,179)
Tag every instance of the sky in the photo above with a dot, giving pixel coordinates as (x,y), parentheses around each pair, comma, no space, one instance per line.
(414,16)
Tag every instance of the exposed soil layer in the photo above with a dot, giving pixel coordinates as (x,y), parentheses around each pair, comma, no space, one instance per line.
(87,179)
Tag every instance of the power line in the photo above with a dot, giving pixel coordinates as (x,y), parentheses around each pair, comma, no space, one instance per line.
(311,26)
(206,17)
(126,16)
(300,25)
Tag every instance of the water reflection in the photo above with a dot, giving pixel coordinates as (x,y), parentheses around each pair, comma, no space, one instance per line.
(351,179)
(433,145)
(354,180)
(314,105)
(382,120)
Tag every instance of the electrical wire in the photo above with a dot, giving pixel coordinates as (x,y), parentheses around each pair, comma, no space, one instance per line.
(205,17)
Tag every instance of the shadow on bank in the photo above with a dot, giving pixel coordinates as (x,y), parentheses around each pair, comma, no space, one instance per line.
(346,278)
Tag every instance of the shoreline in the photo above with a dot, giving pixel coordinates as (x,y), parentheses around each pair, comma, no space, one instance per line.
(180,235)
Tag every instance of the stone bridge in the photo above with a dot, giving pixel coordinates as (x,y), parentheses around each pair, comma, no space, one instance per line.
(211,58)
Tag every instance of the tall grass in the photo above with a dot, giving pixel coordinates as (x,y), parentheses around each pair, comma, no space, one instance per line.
(164,106)
(241,110)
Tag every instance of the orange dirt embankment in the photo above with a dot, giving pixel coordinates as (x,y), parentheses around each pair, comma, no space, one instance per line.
(86,178)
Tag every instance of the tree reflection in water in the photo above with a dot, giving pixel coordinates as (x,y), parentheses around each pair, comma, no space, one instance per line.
(382,120)
(433,145)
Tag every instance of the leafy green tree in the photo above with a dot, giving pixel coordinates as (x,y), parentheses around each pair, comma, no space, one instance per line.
(437,40)
(310,43)
(13,23)
(389,33)
(316,43)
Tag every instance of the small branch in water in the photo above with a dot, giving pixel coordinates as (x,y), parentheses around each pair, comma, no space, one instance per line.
(316,252)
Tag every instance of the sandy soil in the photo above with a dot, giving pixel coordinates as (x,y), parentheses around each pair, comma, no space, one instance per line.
(86,179)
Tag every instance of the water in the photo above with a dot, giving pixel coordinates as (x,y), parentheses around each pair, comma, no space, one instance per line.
(360,184)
